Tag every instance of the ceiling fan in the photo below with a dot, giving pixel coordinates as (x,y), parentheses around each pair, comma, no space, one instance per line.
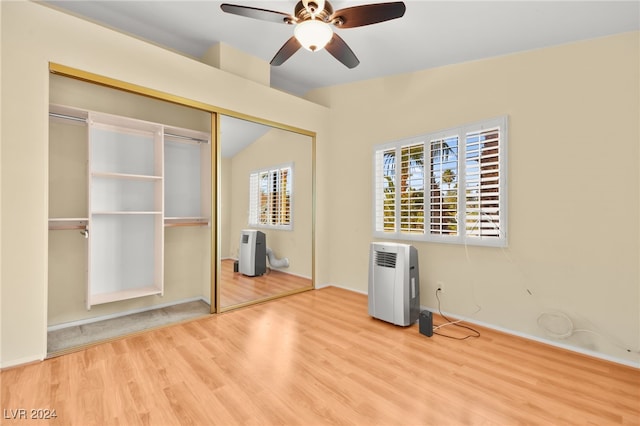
(313,20)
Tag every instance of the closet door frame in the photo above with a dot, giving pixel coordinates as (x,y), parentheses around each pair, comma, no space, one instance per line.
(215,112)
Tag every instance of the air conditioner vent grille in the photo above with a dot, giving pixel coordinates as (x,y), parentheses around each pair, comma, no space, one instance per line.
(386,259)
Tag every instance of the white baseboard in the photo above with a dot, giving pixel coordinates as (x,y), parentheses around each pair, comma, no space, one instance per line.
(21,361)
(284,271)
(123,313)
(539,339)
(319,286)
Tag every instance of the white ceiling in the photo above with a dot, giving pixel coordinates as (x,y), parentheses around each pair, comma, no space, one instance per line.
(237,134)
(431,34)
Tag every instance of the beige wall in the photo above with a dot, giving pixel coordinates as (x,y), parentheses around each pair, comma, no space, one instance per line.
(34,35)
(572,186)
(276,147)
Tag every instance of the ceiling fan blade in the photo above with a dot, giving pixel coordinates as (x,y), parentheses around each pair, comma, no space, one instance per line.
(256,13)
(339,49)
(359,16)
(286,51)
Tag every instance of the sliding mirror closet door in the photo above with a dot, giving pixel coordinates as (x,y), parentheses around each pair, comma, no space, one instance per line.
(266,193)
(129,213)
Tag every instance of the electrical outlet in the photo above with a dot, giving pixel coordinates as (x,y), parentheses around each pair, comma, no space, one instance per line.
(440,286)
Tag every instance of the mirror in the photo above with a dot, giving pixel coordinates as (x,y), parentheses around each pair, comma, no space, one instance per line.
(266,186)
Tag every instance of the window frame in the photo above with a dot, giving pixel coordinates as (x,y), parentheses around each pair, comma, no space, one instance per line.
(463,236)
(254,197)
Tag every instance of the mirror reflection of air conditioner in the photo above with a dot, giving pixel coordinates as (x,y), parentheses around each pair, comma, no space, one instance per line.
(394,283)
(253,253)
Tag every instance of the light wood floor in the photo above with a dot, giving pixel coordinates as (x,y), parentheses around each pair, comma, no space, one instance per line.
(237,288)
(317,358)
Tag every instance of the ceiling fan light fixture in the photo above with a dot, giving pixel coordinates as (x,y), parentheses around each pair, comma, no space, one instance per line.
(313,34)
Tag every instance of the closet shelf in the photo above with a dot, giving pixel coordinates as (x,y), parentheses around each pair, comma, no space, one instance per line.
(128,176)
(124,212)
(97,299)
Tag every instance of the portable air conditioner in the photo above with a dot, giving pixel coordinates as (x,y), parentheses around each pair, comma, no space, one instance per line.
(253,253)
(394,283)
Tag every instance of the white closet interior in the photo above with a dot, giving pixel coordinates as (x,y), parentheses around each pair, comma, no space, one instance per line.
(121,182)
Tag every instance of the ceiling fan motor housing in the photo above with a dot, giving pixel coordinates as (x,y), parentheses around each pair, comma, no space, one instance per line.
(304,13)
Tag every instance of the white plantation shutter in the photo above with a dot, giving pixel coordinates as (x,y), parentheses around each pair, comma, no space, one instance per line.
(384,183)
(411,188)
(448,186)
(482,184)
(281,206)
(443,187)
(264,197)
(254,206)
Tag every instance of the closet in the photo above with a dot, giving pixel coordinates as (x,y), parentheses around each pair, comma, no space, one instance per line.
(121,182)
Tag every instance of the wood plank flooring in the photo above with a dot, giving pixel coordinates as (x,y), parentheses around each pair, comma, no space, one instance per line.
(237,288)
(317,358)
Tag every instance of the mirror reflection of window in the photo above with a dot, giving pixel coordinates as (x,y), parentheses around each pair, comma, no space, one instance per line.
(270,196)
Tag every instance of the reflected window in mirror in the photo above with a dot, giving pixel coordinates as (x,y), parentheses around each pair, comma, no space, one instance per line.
(270,197)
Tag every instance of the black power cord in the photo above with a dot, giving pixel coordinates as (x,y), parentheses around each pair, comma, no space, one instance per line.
(475,332)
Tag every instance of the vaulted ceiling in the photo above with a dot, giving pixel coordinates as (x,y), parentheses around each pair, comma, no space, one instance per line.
(431,33)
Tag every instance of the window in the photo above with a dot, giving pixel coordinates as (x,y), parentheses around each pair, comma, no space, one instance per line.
(270,197)
(448,186)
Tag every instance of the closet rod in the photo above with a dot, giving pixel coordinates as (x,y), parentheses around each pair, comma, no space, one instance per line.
(67,117)
(185,137)
(170,225)
(66,227)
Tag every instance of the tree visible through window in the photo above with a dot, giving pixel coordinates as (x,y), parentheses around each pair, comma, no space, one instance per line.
(448,186)
(270,197)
